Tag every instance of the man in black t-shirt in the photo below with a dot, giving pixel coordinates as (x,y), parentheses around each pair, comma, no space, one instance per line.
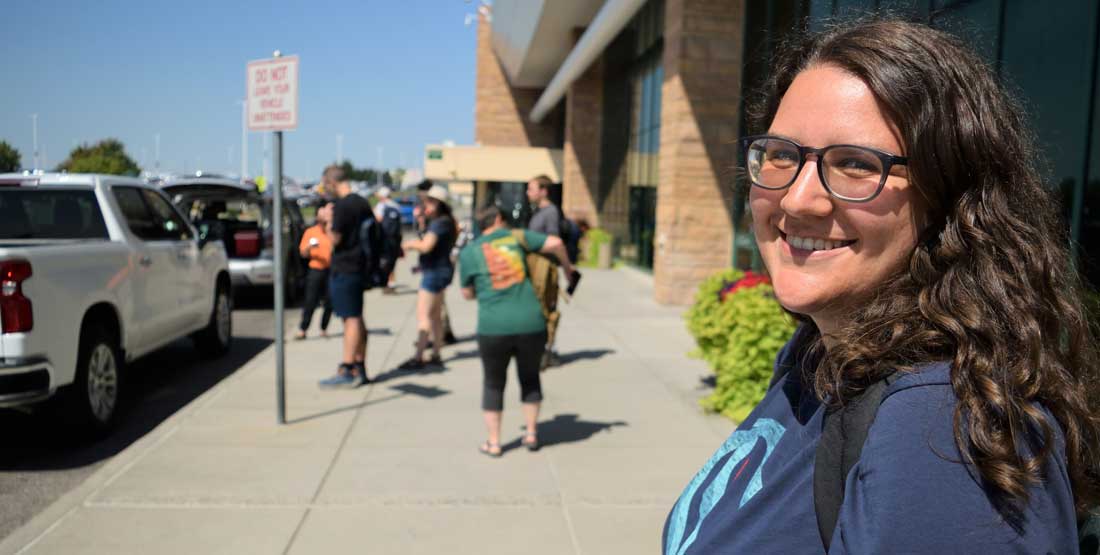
(346,284)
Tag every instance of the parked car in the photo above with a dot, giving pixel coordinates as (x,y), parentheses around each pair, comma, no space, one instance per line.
(96,271)
(240,217)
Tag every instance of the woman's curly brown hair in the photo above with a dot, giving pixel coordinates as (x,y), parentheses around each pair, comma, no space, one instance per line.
(990,286)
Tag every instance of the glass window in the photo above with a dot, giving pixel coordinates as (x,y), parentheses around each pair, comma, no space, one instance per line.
(173,226)
(138,217)
(50,214)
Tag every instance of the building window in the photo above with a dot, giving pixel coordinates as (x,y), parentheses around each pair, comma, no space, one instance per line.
(647,78)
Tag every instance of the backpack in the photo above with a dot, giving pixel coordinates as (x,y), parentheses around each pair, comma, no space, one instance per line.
(570,235)
(844,431)
(371,242)
(391,233)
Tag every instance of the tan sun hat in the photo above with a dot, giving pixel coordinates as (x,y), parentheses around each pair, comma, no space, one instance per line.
(384,192)
(438,193)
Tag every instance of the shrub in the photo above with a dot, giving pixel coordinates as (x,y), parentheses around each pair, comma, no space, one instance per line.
(739,328)
(594,240)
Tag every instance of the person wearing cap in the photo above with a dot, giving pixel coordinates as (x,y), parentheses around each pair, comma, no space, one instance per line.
(388,213)
(436,271)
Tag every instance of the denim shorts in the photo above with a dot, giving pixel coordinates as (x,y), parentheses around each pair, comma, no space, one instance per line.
(346,292)
(435,280)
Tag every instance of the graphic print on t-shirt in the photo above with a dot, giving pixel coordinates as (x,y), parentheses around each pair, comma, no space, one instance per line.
(738,448)
(504,261)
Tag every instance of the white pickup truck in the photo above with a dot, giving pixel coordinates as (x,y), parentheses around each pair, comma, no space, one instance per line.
(96,271)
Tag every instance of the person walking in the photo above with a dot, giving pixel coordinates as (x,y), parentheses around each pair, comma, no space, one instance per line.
(547,220)
(346,285)
(510,321)
(316,247)
(941,392)
(437,271)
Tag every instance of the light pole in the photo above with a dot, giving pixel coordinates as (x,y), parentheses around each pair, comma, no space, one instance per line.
(34,126)
(244,139)
(380,149)
(156,153)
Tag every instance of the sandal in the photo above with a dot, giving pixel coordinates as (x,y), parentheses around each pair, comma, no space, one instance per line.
(487,449)
(531,442)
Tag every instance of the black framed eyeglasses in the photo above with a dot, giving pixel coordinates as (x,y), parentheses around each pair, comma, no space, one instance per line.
(848,172)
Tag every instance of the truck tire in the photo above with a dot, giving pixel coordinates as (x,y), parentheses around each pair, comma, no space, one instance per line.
(217,337)
(93,401)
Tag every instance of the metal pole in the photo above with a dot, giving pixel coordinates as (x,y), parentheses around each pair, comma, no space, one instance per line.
(277,221)
(34,119)
(156,152)
(277,208)
(244,140)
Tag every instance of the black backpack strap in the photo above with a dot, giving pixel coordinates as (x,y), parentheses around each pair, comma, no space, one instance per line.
(1088,533)
(844,430)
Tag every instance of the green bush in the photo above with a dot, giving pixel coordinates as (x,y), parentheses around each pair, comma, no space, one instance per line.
(594,240)
(739,328)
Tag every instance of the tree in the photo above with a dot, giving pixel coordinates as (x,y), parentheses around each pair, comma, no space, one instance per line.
(352,173)
(9,158)
(107,156)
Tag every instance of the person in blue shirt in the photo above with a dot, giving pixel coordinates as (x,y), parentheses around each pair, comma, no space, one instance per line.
(899,208)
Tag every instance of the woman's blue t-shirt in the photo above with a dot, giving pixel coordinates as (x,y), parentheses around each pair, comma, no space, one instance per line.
(440,255)
(907,493)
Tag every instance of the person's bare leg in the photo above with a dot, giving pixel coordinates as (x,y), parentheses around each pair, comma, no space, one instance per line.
(353,337)
(492,426)
(436,320)
(531,418)
(423,321)
(361,349)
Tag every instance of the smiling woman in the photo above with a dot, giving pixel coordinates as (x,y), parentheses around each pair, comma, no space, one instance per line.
(897,206)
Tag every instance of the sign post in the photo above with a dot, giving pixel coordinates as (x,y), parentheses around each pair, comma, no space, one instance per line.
(272,102)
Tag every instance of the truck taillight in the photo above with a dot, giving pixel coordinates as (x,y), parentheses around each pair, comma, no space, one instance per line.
(15,308)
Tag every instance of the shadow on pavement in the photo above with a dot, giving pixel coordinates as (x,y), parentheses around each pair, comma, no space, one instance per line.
(398,372)
(590,354)
(461,355)
(403,390)
(157,386)
(566,428)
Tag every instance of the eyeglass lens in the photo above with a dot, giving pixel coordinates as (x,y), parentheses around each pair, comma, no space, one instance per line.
(850,172)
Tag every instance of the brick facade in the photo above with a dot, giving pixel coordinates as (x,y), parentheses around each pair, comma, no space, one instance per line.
(699,128)
(583,128)
(501,110)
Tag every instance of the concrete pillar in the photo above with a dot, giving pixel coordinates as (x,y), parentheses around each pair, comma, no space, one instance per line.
(699,128)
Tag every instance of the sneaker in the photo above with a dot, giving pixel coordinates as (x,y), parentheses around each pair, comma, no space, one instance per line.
(340,381)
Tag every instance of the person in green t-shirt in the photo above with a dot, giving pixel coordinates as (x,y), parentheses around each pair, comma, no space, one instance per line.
(509,319)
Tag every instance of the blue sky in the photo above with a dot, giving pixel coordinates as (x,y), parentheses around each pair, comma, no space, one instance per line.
(394,74)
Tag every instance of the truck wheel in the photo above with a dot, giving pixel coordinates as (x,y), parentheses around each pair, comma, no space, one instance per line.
(94,397)
(215,339)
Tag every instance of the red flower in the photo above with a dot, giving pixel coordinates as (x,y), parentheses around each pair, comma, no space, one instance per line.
(749,280)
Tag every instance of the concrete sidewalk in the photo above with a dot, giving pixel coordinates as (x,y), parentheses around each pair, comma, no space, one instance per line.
(393,467)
